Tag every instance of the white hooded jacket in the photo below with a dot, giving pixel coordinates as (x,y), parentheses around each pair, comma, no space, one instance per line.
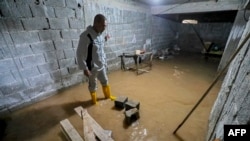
(98,55)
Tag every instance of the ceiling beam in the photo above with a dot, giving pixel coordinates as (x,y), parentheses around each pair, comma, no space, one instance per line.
(196,7)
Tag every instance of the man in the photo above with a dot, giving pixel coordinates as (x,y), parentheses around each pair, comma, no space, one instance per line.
(92,59)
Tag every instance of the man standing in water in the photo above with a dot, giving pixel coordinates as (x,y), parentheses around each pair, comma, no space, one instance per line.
(91,57)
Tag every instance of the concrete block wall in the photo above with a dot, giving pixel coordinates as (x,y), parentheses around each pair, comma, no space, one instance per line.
(163,33)
(129,24)
(232,105)
(167,34)
(37,49)
(39,38)
(234,37)
(209,32)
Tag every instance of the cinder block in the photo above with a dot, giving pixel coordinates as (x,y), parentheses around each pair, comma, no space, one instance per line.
(49,35)
(24,37)
(60,54)
(70,80)
(79,13)
(62,12)
(29,72)
(56,75)
(32,60)
(64,72)
(14,100)
(70,34)
(63,44)
(59,3)
(42,47)
(72,3)
(51,56)
(6,78)
(43,79)
(5,52)
(15,10)
(56,23)
(6,65)
(48,67)
(120,102)
(35,23)
(73,69)
(6,39)
(22,50)
(130,104)
(76,23)
(42,11)
(12,87)
(23,10)
(66,62)
(132,115)
(13,24)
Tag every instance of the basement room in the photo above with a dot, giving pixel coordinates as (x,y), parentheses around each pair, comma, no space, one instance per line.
(124,70)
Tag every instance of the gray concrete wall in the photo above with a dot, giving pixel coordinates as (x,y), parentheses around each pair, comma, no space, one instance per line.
(232,105)
(234,37)
(208,32)
(39,39)
(37,50)
(128,26)
(163,33)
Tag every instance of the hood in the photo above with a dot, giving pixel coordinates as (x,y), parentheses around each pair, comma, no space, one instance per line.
(91,30)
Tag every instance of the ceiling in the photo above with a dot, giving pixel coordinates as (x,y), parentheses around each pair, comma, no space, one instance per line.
(208,17)
(222,16)
(168,2)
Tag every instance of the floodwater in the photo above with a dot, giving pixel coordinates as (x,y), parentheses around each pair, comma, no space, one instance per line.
(166,94)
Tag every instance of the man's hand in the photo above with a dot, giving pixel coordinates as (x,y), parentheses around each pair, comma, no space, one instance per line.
(107,37)
(87,73)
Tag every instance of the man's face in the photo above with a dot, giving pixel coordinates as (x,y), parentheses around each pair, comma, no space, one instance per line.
(102,25)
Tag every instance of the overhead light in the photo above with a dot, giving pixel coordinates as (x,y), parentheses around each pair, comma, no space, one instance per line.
(188,21)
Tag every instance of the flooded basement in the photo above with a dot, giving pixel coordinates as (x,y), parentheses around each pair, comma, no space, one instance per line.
(166,94)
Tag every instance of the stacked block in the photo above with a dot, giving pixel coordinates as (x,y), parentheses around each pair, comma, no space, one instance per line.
(131,115)
(131,108)
(130,104)
(120,102)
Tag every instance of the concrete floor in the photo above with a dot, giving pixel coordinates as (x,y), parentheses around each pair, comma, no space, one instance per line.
(166,95)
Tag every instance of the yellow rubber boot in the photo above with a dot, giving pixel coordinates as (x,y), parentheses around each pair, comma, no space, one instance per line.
(107,92)
(93,96)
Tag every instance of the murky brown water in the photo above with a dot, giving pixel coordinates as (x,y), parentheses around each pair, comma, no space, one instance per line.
(166,95)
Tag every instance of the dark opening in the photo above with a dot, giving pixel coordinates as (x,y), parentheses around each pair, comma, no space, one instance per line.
(221,16)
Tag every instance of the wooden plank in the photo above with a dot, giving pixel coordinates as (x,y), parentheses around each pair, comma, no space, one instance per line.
(87,130)
(69,131)
(98,130)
